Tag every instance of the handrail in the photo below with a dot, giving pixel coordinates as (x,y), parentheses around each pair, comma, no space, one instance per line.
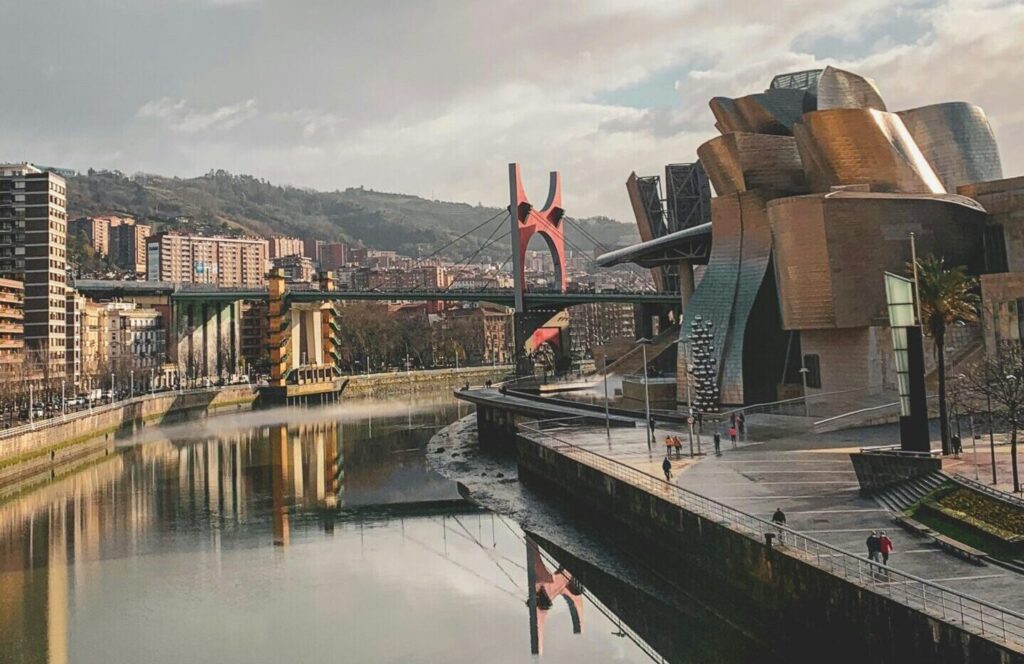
(1004,496)
(895,450)
(861,411)
(973,614)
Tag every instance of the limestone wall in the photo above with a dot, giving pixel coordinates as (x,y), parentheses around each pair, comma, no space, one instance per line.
(421,382)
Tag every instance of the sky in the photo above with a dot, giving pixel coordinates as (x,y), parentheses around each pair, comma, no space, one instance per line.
(436,97)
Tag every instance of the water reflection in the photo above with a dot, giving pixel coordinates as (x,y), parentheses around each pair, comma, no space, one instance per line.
(272,544)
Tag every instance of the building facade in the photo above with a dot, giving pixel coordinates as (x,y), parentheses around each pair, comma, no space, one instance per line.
(12,326)
(281,245)
(295,268)
(128,241)
(33,239)
(135,336)
(226,262)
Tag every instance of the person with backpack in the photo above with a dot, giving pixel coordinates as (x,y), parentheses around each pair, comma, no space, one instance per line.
(666,466)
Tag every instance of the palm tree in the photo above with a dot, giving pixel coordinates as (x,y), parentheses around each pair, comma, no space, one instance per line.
(948,295)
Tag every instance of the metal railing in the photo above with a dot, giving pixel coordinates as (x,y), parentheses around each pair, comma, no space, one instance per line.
(42,424)
(894,405)
(895,450)
(973,614)
(1004,496)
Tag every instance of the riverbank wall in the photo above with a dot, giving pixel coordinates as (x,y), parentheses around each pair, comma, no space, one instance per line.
(801,610)
(57,442)
(400,383)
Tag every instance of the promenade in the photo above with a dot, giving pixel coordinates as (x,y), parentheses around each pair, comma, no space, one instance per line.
(811,478)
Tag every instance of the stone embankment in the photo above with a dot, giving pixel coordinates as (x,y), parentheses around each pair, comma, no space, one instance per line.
(420,382)
(54,443)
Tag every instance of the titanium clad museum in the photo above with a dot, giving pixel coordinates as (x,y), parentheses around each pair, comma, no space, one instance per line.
(818,186)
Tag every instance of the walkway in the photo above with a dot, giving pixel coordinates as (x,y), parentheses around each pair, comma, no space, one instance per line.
(812,480)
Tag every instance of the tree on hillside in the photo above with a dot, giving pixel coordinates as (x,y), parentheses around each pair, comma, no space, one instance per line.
(948,295)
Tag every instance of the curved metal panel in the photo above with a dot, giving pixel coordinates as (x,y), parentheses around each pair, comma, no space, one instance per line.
(838,88)
(852,146)
(739,162)
(773,111)
(741,250)
(957,140)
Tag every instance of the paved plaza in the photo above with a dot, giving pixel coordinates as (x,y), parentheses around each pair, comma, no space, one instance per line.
(811,478)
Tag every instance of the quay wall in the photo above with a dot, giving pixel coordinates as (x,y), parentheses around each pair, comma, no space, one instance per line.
(419,382)
(60,441)
(803,612)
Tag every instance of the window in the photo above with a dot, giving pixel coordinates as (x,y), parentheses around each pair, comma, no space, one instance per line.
(995,249)
(813,365)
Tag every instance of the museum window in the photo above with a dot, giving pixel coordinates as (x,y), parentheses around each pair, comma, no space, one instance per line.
(813,365)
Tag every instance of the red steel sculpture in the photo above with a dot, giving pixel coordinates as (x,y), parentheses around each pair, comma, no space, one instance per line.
(526,221)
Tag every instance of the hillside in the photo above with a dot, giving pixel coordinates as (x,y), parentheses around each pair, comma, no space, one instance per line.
(223,202)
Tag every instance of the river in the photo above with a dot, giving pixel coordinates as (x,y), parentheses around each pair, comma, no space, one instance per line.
(286,536)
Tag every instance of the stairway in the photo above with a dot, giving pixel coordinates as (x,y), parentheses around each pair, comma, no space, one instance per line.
(899,497)
(632,362)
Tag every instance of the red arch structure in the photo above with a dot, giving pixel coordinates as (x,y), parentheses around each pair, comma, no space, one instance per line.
(526,221)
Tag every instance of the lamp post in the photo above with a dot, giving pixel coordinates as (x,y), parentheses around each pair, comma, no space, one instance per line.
(647,393)
(803,377)
(111,387)
(607,417)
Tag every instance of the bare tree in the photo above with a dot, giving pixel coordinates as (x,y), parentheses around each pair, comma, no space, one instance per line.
(1001,379)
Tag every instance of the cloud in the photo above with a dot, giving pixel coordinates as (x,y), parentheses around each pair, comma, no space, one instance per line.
(435,97)
(176,114)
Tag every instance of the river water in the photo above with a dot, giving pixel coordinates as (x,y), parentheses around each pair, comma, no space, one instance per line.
(286,536)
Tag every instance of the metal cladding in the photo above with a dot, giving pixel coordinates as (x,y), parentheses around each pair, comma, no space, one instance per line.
(957,140)
(739,162)
(742,250)
(852,146)
(770,112)
(838,88)
(831,248)
(818,187)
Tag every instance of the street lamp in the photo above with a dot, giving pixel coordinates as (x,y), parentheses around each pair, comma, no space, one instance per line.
(803,377)
(607,417)
(647,393)
(961,378)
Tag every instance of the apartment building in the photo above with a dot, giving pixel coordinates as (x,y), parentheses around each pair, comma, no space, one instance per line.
(197,259)
(128,244)
(295,268)
(96,231)
(281,245)
(33,239)
(12,326)
(135,336)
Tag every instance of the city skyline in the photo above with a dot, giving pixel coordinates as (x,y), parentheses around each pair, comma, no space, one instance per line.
(436,109)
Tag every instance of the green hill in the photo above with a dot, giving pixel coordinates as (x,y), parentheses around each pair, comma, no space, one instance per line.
(223,202)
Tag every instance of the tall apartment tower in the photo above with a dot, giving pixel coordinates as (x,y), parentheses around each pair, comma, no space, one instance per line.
(33,237)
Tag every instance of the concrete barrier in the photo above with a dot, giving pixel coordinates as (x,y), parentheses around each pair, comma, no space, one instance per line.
(421,382)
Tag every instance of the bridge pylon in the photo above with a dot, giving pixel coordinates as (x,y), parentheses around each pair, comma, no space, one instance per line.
(527,221)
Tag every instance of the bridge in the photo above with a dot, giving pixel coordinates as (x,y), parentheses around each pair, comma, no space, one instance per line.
(303,322)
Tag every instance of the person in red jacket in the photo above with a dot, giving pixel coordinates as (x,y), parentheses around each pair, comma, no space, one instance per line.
(885,547)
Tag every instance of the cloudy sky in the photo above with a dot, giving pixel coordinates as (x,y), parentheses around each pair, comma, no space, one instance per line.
(435,97)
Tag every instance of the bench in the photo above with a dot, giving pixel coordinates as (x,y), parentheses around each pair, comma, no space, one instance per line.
(960,549)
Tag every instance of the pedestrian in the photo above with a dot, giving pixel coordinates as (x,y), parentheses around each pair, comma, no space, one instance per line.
(872,543)
(732,435)
(666,466)
(718,444)
(651,424)
(741,423)
(957,445)
(885,547)
(779,519)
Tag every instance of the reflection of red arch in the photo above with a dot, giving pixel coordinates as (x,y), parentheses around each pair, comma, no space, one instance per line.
(544,588)
(546,221)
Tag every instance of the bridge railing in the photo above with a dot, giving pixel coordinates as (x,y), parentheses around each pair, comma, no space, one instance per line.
(973,614)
